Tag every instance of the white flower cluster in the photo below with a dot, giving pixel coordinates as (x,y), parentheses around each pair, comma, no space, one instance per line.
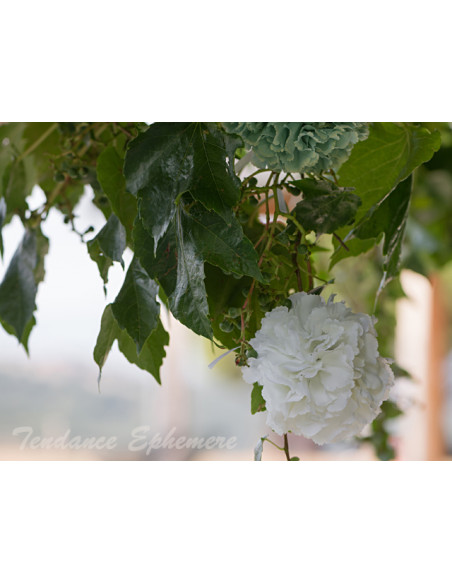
(320,369)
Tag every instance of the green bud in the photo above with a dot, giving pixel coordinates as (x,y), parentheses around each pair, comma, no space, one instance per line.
(234,312)
(263,299)
(226,326)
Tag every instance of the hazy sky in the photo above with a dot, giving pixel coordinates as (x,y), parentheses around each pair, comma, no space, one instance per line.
(71,298)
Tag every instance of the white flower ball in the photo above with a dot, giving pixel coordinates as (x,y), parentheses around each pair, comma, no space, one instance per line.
(320,369)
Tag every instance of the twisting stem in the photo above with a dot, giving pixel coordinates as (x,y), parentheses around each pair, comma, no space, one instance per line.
(273,443)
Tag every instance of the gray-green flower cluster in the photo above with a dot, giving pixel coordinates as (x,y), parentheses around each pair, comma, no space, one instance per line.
(299,146)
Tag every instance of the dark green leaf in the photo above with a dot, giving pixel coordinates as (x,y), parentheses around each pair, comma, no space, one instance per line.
(108,246)
(14,184)
(314,188)
(389,218)
(220,243)
(161,265)
(257,401)
(390,409)
(188,302)
(170,159)
(25,335)
(42,249)
(109,332)
(159,167)
(103,262)
(224,292)
(179,268)
(387,157)
(214,182)
(16,187)
(2,219)
(152,353)
(325,208)
(136,308)
(18,289)
(113,183)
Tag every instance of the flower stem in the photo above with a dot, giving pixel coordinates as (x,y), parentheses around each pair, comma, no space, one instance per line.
(295,262)
(286,446)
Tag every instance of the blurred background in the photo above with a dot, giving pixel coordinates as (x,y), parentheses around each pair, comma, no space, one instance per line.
(53,393)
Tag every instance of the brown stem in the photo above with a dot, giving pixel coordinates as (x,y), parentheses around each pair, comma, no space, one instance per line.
(341,242)
(286,446)
(333,174)
(295,263)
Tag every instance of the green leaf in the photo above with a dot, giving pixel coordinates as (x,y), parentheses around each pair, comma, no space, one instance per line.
(179,268)
(42,143)
(188,302)
(161,265)
(170,159)
(108,246)
(257,401)
(18,289)
(325,208)
(16,187)
(158,167)
(42,249)
(112,239)
(25,335)
(111,179)
(214,182)
(136,308)
(389,218)
(109,332)
(2,219)
(387,157)
(152,354)
(224,292)
(315,188)
(221,244)
(355,247)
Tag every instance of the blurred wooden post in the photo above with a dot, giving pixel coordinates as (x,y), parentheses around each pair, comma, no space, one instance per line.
(437,349)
